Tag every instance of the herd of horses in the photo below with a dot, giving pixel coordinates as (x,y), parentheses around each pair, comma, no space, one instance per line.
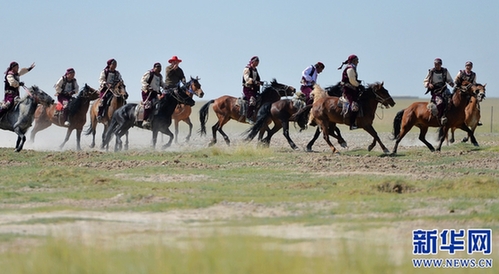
(274,112)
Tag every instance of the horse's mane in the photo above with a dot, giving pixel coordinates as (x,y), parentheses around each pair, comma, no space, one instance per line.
(318,92)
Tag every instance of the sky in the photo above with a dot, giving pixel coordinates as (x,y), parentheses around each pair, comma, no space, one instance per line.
(396,41)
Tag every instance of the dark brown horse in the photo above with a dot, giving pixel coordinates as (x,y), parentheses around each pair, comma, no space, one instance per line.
(327,112)
(472,112)
(77,114)
(119,99)
(281,113)
(227,108)
(417,114)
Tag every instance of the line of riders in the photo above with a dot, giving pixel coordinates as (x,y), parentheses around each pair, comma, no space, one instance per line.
(153,86)
(67,86)
(435,82)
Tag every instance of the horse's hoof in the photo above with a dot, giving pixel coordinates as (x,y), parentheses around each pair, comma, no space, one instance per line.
(475,144)
(344,145)
(309,149)
(386,151)
(369,148)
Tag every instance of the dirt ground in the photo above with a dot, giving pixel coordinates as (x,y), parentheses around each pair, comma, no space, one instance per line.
(175,225)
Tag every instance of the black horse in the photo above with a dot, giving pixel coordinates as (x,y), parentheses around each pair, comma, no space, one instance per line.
(125,117)
(20,117)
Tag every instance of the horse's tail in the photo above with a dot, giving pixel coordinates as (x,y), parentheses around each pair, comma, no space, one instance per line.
(111,130)
(397,122)
(301,117)
(203,116)
(261,120)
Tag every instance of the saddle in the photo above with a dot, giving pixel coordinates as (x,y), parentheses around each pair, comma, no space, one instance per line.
(243,106)
(344,105)
(139,113)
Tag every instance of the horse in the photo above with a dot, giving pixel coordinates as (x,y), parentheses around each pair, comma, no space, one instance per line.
(119,99)
(418,114)
(282,111)
(77,115)
(182,113)
(20,117)
(227,108)
(327,112)
(125,117)
(472,113)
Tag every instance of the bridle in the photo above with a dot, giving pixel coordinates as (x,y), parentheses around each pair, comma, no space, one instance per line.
(379,98)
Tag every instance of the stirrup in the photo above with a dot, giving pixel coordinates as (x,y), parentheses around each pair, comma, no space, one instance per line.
(66,123)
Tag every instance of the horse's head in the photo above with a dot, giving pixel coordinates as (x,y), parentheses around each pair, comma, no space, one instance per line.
(40,96)
(119,90)
(479,91)
(183,97)
(88,92)
(381,94)
(194,87)
(283,90)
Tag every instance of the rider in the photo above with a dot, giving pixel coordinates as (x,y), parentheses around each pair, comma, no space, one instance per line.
(308,79)
(251,86)
(12,83)
(174,74)
(466,75)
(152,81)
(436,82)
(65,88)
(109,78)
(351,87)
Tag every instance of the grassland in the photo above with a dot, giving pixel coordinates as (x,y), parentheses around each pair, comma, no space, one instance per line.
(242,209)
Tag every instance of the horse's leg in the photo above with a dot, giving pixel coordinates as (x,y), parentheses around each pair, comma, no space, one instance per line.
(188,122)
(370,129)
(170,134)
(445,130)
(422,135)
(68,134)
(325,133)
(154,138)
(311,143)
(336,133)
(214,130)
(103,138)
(39,126)
(21,139)
(285,131)
(471,134)
(78,138)
(176,130)
(451,140)
(93,125)
(126,140)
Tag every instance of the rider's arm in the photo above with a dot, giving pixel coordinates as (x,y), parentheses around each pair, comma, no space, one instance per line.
(12,81)
(102,79)
(352,77)
(58,86)
(449,79)
(426,80)
(145,79)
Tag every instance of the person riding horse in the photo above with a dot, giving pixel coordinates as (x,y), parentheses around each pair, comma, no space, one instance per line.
(468,76)
(12,83)
(351,87)
(308,80)
(174,74)
(436,83)
(65,88)
(152,82)
(251,87)
(108,80)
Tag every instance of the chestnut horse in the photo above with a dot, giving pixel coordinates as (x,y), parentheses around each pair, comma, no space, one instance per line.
(327,112)
(119,99)
(472,112)
(77,115)
(417,114)
(20,116)
(226,108)
(182,113)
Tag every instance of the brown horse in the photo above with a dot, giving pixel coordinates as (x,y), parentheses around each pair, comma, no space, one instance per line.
(417,114)
(182,113)
(472,112)
(77,113)
(327,112)
(119,99)
(227,108)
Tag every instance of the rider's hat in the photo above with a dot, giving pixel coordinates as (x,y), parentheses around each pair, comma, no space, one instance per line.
(174,59)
